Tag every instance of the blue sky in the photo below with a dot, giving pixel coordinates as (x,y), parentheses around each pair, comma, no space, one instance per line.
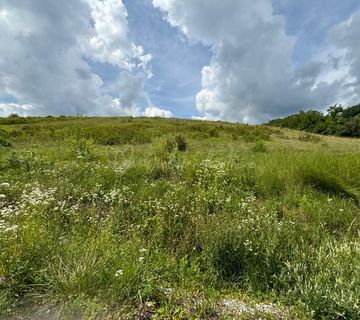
(235,60)
(177,62)
(310,21)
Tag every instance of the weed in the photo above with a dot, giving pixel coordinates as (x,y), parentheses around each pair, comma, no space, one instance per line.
(181,142)
(98,219)
(259,147)
(307,137)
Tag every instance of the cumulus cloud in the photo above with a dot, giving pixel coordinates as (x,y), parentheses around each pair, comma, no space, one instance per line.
(110,42)
(157,112)
(20,109)
(45,51)
(251,75)
(345,55)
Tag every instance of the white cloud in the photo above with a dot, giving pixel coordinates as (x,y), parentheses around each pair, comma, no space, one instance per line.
(110,42)
(42,50)
(345,54)
(157,112)
(20,109)
(251,74)
(47,50)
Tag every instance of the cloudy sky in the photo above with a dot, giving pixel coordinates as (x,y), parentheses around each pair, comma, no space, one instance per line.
(236,60)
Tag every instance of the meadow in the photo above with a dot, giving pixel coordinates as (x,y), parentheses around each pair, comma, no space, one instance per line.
(149,218)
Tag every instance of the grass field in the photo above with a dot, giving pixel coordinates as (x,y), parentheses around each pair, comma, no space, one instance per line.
(162,218)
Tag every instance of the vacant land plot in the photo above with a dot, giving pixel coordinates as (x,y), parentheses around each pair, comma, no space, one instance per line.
(177,219)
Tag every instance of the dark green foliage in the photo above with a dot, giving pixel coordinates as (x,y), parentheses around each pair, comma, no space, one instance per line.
(214,132)
(352,127)
(4,139)
(352,111)
(338,121)
(13,116)
(259,147)
(327,184)
(311,121)
(181,142)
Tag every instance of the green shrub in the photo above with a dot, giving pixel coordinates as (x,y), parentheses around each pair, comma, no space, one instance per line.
(181,142)
(82,148)
(166,161)
(214,132)
(5,138)
(13,116)
(164,148)
(4,142)
(259,147)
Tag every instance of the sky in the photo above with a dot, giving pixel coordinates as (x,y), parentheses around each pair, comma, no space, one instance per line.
(233,60)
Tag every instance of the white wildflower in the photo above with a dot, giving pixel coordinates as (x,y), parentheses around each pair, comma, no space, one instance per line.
(11,229)
(119,273)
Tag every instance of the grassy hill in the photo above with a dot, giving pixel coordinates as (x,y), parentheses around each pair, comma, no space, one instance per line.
(167,218)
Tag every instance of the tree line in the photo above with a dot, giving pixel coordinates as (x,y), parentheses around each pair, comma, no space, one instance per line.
(338,121)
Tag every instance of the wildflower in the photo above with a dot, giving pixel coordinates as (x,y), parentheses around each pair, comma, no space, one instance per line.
(2,280)
(341,210)
(2,196)
(141,259)
(119,273)
(5,185)
(143,250)
(169,291)
(12,228)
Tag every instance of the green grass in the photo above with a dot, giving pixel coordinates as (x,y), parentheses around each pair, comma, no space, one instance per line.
(109,215)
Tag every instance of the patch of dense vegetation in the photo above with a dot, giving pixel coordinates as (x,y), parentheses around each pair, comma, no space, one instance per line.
(338,121)
(138,217)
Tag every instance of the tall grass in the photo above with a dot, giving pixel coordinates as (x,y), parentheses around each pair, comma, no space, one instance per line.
(146,226)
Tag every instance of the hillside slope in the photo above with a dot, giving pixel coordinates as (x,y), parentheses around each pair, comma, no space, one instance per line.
(172,219)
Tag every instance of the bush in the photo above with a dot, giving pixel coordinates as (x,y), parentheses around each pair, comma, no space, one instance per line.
(181,142)
(166,161)
(164,148)
(4,139)
(259,147)
(214,132)
(81,147)
(13,116)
